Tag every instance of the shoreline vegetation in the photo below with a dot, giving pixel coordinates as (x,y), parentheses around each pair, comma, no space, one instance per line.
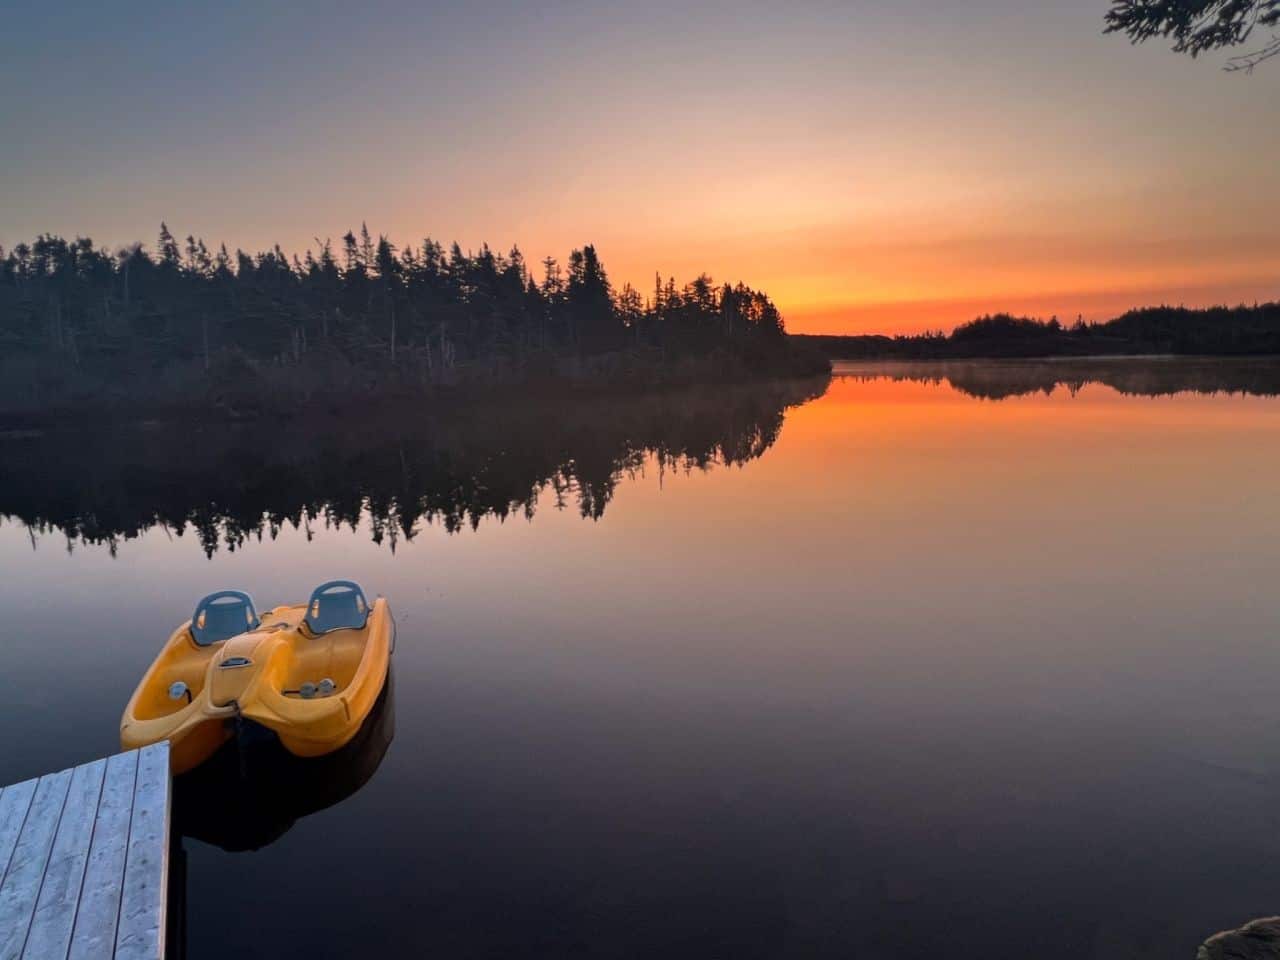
(187,332)
(1150,331)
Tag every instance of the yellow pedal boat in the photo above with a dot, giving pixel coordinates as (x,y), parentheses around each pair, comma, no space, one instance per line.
(311,673)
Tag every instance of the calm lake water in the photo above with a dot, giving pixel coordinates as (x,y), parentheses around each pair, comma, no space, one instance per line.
(975,660)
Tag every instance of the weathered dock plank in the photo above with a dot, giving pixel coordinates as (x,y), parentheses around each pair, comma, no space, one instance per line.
(15,801)
(50,933)
(21,885)
(142,899)
(98,913)
(84,861)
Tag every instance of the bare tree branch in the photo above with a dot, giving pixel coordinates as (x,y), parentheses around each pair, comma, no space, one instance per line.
(1247,61)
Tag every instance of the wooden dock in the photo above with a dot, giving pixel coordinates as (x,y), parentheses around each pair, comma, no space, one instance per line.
(84,860)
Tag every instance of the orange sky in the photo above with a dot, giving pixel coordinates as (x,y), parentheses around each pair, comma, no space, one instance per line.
(872,166)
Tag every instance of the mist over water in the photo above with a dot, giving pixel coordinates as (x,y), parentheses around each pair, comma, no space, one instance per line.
(962,660)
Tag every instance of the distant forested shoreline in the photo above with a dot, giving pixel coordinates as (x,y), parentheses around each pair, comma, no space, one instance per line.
(186,329)
(1216,331)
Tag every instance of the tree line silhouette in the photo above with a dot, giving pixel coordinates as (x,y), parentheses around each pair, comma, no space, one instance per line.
(1216,331)
(1135,376)
(229,483)
(189,326)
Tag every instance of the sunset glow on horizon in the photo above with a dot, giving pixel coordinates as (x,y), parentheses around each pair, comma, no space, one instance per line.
(874,169)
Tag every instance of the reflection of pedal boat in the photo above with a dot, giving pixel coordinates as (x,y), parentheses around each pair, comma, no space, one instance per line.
(309,673)
(246,796)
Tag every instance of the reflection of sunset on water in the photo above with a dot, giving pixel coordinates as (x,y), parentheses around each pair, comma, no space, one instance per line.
(920,634)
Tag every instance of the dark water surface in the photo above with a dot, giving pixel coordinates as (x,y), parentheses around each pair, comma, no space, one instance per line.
(968,660)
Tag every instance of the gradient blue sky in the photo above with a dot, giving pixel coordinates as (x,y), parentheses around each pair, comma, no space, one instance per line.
(873,165)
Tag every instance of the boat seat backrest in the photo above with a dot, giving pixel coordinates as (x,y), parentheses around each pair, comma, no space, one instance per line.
(337,605)
(221,616)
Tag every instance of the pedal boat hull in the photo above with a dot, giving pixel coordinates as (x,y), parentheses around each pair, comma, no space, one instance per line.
(259,675)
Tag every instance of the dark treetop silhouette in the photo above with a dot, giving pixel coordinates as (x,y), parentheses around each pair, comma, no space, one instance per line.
(193,330)
(1221,331)
(1197,26)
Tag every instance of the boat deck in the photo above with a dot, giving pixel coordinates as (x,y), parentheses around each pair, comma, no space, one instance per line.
(84,860)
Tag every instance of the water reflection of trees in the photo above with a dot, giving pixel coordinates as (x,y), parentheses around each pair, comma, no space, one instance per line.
(232,483)
(1146,377)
